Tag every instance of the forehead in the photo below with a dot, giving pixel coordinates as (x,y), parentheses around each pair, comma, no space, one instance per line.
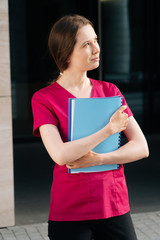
(85,33)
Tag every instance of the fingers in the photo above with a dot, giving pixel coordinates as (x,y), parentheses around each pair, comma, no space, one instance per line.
(125,117)
(119,120)
(124,114)
(126,120)
(122,108)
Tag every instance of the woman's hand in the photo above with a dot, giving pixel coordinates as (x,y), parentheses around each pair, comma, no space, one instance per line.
(88,160)
(119,120)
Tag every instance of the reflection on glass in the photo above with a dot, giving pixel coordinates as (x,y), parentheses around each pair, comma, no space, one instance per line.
(122,28)
(116,39)
(122,44)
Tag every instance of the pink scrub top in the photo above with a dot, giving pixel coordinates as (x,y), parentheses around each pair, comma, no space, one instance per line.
(82,196)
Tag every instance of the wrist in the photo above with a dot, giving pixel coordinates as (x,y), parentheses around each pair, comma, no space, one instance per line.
(110,129)
(108,158)
(96,159)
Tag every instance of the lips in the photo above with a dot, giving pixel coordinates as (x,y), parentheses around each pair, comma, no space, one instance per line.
(95,59)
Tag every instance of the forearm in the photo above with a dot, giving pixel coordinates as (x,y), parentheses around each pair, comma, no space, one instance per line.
(136,148)
(130,152)
(78,148)
(81,147)
(65,152)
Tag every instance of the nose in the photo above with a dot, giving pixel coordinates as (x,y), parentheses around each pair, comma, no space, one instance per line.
(96,48)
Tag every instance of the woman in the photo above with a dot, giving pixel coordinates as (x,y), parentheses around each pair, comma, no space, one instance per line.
(84,205)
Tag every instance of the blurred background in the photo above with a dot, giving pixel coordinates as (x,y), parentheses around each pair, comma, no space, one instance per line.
(129,35)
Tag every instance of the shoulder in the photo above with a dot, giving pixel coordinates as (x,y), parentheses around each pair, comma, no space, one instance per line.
(44,93)
(42,97)
(103,83)
(108,87)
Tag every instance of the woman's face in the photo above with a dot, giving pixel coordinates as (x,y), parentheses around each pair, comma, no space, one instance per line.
(85,55)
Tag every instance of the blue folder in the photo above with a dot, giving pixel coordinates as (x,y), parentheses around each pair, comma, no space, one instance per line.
(87,116)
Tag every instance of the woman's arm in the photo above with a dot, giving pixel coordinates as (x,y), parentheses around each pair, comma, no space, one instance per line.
(135,149)
(63,153)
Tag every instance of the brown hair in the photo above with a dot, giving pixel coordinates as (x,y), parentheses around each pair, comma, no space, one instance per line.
(62,38)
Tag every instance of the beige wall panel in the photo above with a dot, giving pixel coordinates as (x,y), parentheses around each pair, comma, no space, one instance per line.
(6,146)
(4,50)
(6,164)
(4,5)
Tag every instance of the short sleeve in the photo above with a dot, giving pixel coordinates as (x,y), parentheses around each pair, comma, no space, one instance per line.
(128,110)
(42,113)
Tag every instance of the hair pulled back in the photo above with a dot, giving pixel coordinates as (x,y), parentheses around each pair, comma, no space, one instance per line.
(62,38)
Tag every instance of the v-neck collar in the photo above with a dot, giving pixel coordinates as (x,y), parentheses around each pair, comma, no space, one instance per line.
(64,89)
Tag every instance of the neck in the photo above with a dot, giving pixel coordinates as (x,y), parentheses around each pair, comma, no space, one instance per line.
(73,79)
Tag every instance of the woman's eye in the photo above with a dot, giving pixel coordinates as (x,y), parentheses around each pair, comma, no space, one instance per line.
(87,44)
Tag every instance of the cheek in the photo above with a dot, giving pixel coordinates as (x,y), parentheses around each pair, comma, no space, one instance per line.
(87,55)
(83,58)
(80,58)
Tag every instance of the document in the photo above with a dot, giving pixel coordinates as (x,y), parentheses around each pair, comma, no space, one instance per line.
(89,115)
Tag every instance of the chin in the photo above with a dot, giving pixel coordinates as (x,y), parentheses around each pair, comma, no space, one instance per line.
(93,67)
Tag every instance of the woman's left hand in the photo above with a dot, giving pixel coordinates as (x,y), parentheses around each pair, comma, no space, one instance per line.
(88,160)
